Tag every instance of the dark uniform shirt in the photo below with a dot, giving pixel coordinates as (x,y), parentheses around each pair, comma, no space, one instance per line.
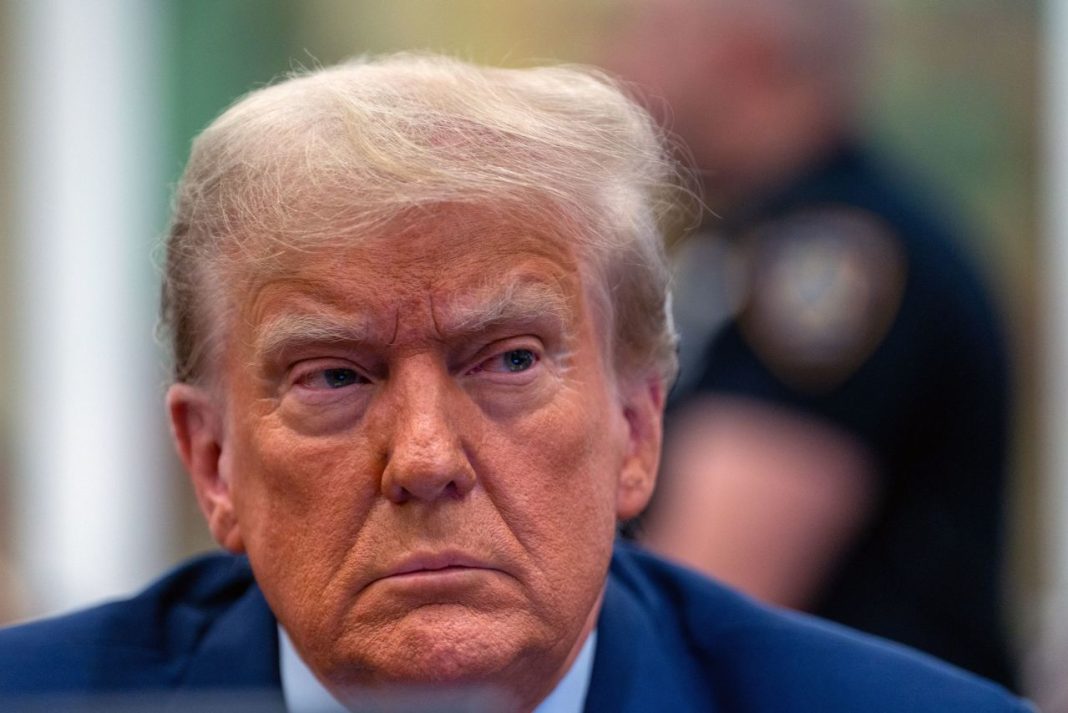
(860,312)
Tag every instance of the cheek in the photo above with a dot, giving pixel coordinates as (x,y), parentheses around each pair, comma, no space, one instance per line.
(299,503)
(557,476)
(309,498)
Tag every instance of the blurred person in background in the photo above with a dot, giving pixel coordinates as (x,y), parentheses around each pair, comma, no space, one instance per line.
(838,440)
(418,312)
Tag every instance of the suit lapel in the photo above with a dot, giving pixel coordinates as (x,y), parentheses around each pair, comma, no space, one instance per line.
(237,656)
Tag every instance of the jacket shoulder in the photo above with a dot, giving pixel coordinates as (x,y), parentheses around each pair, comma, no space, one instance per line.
(140,642)
(757,658)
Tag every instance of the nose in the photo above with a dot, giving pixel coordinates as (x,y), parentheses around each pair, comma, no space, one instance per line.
(426,458)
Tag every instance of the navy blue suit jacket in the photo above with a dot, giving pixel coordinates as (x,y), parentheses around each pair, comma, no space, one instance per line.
(668,640)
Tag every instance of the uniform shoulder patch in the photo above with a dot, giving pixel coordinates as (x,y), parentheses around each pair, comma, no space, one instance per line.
(824,287)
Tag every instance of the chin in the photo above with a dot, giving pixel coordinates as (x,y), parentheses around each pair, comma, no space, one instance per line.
(441,645)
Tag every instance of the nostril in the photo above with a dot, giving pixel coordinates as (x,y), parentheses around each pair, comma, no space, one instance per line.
(399,495)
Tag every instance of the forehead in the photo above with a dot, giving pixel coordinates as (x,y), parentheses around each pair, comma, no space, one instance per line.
(456,264)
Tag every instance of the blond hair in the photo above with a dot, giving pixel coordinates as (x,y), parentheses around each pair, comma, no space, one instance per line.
(349,149)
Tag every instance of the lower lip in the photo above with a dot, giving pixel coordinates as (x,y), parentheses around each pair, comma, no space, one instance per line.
(444,572)
(403,593)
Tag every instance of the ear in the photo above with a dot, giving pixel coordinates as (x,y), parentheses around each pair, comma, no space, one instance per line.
(643,409)
(197,430)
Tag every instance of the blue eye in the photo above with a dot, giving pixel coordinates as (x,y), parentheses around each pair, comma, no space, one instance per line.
(518,360)
(338,378)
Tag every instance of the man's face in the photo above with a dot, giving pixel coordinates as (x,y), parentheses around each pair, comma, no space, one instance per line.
(693,60)
(424,453)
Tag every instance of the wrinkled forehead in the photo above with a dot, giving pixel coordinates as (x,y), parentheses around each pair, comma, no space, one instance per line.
(470,264)
(422,244)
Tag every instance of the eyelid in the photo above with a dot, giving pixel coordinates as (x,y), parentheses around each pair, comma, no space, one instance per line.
(499,348)
(305,369)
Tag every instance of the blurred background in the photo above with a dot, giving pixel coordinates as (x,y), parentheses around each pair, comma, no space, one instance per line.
(98,104)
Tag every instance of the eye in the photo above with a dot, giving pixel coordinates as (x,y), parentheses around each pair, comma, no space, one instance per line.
(333,378)
(511,361)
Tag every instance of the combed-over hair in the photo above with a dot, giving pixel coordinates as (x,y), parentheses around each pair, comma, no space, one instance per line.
(351,149)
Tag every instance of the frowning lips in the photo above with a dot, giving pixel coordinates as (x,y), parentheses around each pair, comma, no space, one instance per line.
(440,563)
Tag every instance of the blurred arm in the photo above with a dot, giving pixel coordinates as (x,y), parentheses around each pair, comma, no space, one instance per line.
(761,498)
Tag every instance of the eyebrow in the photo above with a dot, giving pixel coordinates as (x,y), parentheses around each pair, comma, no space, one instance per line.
(520,302)
(289,329)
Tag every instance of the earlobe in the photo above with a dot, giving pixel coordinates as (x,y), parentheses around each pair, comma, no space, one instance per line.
(643,409)
(197,431)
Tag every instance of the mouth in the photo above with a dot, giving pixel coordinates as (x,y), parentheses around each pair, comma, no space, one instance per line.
(438,579)
(436,566)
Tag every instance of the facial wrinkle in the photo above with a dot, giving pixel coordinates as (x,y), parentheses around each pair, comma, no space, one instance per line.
(396,327)
(434,316)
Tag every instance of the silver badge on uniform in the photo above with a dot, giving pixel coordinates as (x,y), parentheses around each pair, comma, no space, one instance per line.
(825,287)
